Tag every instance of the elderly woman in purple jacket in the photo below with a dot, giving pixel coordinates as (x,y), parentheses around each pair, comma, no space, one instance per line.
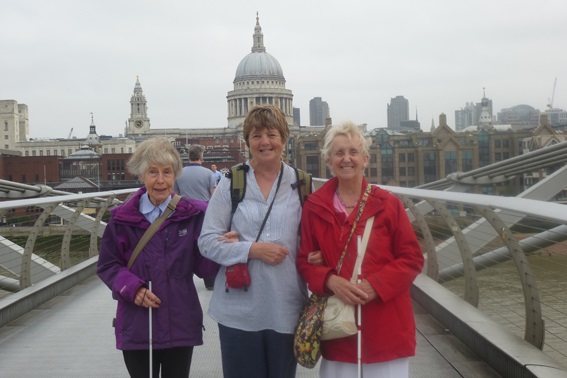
(169,260)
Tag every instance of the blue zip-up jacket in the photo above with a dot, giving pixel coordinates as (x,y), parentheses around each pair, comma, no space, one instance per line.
(169,260)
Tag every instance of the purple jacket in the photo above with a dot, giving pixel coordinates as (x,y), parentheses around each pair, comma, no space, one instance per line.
(169,260)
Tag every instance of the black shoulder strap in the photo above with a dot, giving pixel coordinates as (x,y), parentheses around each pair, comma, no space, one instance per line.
(237,176)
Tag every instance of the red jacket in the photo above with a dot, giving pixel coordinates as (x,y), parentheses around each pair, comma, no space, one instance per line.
(393,259)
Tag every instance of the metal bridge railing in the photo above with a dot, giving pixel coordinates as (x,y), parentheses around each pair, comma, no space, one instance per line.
(505,256)
(41,237)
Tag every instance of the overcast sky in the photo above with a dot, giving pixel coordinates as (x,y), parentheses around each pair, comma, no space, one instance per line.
(68,58)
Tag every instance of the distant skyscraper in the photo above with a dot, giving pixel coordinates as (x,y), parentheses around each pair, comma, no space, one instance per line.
(556,116)
(398,111)
(471,113)
(297,117)
(318,112)
(465,116)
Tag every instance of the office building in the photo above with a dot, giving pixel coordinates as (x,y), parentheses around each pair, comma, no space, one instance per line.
(520,116)
(398,111)
(296,117)
(318,112)
(471,113)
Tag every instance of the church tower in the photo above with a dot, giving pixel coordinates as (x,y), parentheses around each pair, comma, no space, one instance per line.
(485,120)
(93,140)
(138,123)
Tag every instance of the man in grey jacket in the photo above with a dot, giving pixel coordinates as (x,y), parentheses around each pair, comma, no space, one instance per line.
(197,182)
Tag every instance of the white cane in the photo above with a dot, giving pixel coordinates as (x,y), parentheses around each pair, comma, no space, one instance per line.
(359,320)
(361,250)
(151,341)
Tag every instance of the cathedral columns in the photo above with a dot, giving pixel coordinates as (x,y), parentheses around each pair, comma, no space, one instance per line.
(239,107)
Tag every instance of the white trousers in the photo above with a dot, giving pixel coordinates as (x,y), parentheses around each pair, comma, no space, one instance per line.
(390,369)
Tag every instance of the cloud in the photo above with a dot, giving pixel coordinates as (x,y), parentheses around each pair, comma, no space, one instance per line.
(66,59)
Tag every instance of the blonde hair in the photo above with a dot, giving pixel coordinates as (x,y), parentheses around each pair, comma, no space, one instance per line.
(154,151)
(349,130)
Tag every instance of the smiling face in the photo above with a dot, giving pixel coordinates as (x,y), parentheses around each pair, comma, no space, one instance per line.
(346,158)
(159,180)
(266,144)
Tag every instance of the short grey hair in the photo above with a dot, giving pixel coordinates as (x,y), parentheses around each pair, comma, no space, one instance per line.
(196,152)
(154,151)
(349,130)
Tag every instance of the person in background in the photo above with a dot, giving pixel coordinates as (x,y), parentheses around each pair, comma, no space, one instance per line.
(392,261)
(168,261)
(257,325)
(217,174)
(197,182)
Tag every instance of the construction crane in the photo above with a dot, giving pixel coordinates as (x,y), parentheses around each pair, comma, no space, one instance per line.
(550,103)
(70,133)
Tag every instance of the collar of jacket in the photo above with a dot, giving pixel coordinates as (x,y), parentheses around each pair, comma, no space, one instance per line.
(322,201)
(129,211)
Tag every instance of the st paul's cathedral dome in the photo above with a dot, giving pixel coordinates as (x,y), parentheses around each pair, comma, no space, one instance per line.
(258,80)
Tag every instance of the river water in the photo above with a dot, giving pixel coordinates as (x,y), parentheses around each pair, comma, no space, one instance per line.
(502,299)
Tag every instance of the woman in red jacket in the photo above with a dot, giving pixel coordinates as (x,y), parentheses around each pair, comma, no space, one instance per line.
(392,261)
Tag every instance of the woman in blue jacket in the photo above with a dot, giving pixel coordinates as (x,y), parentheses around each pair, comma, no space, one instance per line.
(169,260)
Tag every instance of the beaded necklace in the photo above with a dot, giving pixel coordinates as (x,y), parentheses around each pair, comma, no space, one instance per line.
(343,202)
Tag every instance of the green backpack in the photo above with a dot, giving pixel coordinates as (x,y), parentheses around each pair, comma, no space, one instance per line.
(237,176)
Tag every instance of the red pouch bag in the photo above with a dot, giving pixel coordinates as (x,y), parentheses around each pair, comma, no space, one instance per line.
(237,277)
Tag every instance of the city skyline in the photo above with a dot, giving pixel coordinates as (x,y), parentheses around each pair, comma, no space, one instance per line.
(65,65)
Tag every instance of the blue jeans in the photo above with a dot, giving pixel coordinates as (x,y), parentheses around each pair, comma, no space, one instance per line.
(258,354)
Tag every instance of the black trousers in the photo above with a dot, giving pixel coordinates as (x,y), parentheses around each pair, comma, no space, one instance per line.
(174,362)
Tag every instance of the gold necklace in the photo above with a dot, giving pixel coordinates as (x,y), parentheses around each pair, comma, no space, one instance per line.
(343,202)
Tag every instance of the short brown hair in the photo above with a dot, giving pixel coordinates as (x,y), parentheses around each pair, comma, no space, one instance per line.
(265,117)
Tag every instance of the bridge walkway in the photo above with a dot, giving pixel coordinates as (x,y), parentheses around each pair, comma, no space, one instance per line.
(71,336)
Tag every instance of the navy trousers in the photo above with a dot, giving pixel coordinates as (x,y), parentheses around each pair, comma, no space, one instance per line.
(259,354)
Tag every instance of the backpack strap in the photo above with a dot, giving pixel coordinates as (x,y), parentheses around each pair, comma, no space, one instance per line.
(237,176)
(305,184)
